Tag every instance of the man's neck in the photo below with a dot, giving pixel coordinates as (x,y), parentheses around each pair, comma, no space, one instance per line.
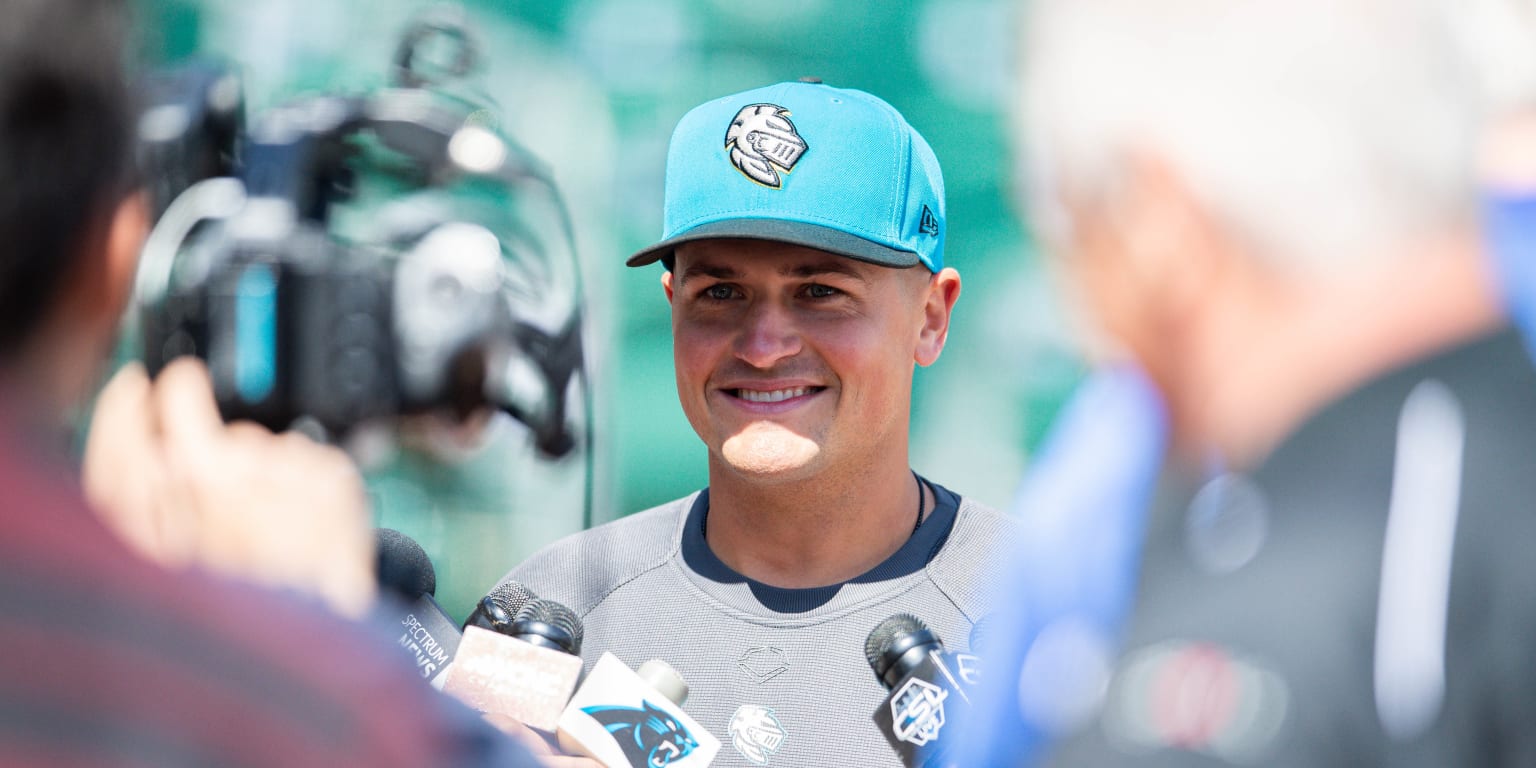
(56,369)
(1276,368)
(813,532)
(31,413)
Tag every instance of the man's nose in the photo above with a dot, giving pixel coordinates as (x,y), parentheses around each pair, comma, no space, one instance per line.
(768,334)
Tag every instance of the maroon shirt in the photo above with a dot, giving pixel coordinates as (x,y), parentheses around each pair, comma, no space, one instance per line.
(107,659)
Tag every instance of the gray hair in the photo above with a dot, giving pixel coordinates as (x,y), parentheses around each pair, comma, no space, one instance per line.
(1500,39)
(1320,132)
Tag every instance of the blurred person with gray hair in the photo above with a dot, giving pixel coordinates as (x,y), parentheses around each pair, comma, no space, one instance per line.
(1272,209)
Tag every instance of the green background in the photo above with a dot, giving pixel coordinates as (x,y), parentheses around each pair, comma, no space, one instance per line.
(594,87)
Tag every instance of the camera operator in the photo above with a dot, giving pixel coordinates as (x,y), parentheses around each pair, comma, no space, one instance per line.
(108,656)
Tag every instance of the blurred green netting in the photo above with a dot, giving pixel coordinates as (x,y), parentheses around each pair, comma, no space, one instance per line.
(594,87)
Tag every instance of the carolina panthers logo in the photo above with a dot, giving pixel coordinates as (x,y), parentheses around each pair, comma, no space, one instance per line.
(756,733)
(762,142)
(649,736)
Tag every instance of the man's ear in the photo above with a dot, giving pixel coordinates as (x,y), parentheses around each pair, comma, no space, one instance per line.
(125,239)
(942,291)
(666,284)
(102,280)
(1173,248)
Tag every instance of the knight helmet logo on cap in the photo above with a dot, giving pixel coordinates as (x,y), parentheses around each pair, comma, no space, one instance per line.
(764,142)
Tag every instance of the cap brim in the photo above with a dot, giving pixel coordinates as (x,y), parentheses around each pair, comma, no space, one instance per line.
(779,230)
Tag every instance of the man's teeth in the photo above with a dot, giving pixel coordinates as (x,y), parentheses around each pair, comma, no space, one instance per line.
(774,396)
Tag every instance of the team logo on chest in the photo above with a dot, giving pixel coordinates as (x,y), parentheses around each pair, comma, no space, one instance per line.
(756,733)
(762,142)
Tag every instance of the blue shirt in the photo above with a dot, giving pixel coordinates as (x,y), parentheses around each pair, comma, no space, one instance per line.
(1509,220)
(1083,507)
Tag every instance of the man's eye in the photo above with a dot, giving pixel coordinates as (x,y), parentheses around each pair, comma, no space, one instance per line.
(719,292)
(818,291)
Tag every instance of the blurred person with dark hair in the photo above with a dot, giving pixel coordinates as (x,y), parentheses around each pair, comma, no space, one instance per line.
(108,656)
(806,277)
(1271,207)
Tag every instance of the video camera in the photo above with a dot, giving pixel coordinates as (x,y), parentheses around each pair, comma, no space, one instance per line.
(351,258)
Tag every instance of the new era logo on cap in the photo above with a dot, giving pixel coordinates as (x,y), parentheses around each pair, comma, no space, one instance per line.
(929,223)
(809,164)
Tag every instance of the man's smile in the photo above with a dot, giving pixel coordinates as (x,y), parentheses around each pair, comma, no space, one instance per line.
(772,395)
(769,397)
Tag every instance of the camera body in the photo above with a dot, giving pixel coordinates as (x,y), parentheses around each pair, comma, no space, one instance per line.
(248,269)
(298,327)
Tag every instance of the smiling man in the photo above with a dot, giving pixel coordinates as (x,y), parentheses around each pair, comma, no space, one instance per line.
(804,250)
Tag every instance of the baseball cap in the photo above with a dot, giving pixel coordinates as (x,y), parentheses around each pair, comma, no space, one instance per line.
(809,164)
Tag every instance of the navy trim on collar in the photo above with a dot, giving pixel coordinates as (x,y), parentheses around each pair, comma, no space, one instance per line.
(912,557)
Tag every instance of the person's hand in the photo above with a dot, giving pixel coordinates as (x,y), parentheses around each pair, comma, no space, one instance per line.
(184,489)
(541,749)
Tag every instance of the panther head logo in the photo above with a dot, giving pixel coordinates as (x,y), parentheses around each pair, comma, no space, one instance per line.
(648,735)
(762,142)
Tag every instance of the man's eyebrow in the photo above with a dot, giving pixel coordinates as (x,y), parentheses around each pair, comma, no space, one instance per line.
(802,270)
(717,271)
(816,269)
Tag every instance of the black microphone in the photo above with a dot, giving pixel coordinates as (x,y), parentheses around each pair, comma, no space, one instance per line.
(406,575)
(497,610)
(928,690)
(525,669)
(548,624)
(404,569)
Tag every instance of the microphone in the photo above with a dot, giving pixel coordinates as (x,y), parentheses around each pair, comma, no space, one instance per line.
(405,573)
(525,669)
(497,610)
(548,624)
(625,719)
(402,565)
(928,688)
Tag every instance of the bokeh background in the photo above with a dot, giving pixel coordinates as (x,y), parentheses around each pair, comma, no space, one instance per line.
(594,87)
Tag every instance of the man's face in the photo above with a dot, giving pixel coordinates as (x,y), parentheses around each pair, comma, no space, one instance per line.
(791,360)
(1147,264)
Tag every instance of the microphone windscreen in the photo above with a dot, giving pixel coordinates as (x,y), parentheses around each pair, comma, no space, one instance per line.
(551,621)
(403,566)
(510,597)
(882,640)
(497,610)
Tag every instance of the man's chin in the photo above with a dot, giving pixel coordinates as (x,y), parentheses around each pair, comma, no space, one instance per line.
(769,453)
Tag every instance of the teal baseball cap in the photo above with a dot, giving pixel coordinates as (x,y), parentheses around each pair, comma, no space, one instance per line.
(804,163)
